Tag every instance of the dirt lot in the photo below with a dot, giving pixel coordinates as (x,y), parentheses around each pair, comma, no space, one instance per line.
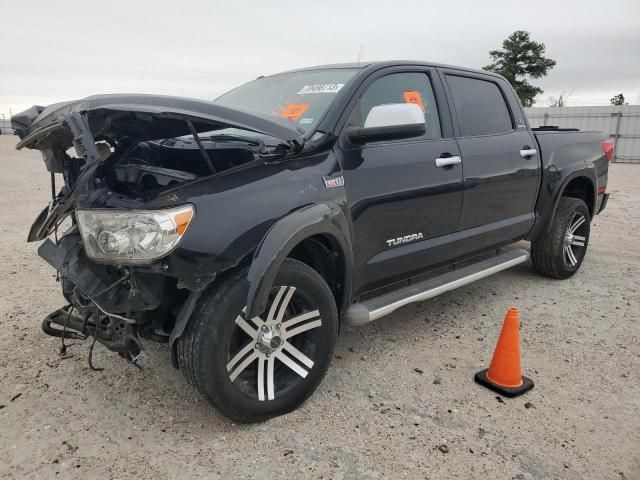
(398,389)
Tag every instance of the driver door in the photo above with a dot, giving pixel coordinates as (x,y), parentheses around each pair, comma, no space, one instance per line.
(404,196)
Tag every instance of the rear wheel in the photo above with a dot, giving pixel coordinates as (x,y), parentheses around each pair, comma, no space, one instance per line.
(254,369)
(561,252)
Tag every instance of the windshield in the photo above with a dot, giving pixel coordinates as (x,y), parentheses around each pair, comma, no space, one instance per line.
(302,97)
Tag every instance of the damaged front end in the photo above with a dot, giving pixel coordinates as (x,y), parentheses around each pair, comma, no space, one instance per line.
(117,304)
(110,248)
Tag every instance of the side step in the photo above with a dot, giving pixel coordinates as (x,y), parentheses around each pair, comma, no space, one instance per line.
(374,308)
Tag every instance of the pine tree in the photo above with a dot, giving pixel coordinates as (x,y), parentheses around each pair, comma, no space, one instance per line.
(521,58)
(617,99)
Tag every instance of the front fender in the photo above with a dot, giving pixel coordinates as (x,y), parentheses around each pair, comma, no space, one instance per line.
(322,218)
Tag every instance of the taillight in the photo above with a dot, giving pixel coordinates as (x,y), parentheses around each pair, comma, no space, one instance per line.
(607,148)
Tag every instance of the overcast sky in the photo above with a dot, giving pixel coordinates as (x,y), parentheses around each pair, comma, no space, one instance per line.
(61,50)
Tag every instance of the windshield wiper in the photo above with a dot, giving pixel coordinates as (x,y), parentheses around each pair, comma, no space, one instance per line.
(277,150)
(225,137)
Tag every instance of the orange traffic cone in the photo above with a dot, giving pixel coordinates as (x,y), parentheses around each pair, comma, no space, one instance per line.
(504,374)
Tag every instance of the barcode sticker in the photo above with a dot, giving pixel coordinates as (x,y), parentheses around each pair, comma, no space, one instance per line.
(321,88)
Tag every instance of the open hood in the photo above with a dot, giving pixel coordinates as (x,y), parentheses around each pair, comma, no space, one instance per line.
(141,117)
(130,118)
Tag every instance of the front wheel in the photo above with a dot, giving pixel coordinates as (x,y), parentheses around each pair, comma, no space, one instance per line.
(561,252)
(254,369)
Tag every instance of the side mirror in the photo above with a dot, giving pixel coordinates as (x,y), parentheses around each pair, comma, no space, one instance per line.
(392,121)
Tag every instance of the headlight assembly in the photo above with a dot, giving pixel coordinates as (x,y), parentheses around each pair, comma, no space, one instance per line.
(132,236)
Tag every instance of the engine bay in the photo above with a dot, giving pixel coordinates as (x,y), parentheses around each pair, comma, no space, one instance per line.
(152,166)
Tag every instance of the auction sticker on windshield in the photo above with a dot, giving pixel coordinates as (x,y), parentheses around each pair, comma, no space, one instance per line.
(294,111)
(321,88)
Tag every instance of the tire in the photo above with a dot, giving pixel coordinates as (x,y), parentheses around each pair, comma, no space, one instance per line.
(561,252)
(287,350)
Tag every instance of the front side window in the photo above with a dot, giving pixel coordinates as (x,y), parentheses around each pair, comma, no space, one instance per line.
(301,97)
(400,88)
(480,106)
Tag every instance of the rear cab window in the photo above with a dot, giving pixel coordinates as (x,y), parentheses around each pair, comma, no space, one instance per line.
(480,106)
(410,87)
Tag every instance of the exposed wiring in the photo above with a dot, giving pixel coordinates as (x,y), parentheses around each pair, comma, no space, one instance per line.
(93,344)
(63,346)
(105,290)
(113,315)
(117,282)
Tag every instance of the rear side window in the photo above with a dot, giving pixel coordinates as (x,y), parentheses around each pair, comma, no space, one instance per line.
(400,88)
(480,106)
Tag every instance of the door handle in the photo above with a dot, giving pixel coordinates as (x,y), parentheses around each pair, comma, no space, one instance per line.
(528,152)
(445,161)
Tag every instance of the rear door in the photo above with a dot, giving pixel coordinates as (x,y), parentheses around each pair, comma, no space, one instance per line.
(500,163)
(401,202)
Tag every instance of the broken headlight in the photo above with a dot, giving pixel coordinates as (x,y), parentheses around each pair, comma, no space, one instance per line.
(132,236)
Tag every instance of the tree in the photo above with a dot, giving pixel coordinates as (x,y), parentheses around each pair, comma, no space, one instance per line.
(521,58)
(560,100)
(618,100)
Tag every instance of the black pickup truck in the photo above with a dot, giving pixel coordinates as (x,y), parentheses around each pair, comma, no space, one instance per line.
(244,231)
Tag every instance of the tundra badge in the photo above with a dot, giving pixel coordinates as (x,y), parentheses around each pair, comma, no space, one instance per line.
(406,239)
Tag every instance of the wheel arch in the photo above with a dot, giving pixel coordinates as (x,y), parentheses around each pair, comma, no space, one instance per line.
(323,253)
(579,184)
(583,188)
(304,235)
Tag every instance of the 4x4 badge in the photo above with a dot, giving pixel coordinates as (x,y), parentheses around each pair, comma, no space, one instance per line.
(332,182)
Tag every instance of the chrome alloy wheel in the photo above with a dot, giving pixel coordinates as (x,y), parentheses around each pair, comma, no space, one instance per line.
(574,240)
(269,356)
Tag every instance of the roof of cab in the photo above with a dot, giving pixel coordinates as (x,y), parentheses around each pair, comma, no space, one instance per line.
(384,64)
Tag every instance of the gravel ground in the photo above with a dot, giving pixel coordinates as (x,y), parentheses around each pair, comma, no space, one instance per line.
(398,402)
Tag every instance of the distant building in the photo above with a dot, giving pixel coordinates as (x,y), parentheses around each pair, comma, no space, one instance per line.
(5,127)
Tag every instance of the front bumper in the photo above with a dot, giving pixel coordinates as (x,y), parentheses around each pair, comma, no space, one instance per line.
(117,290)
(115,305)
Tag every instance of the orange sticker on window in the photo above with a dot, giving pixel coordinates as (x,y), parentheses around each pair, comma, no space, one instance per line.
(413,96)
(294,111)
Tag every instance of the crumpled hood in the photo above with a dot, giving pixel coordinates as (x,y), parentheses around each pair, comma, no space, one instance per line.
(142,117)
(133,118)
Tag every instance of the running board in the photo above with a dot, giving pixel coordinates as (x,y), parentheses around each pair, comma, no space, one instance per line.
(374,308)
